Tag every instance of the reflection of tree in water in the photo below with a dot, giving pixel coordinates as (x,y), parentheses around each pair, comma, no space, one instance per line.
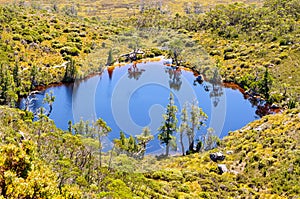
(217,89)
(110,71)
(134,72)
(175,81)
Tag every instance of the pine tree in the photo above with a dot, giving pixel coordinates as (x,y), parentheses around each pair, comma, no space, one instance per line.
(71,71)
(265,84)
(16,75)
(33,74)
(110,59)
(169,125)
(9,90)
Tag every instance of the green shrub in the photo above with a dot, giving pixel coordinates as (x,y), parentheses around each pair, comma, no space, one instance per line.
(57,26)
(228,49)
(48,37)
(28,38)
(229,56)
(17,37)
(276,61)
(70,51)
(87,50)
(215,52)
(156,51)
(56,45)
(283,55)
(82,34)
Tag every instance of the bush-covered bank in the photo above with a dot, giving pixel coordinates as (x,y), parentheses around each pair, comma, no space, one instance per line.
(39,160)
(245,40)
(39,48)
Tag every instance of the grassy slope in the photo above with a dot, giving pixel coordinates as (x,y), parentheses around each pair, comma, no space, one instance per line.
(123,9)
(265,153)
(249,56)
(263,162)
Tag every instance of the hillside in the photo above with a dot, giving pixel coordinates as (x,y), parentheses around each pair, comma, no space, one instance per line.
(246,43)
(41,161)
(123,9)
(253,44)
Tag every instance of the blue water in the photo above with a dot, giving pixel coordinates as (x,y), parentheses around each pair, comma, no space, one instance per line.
(134,97)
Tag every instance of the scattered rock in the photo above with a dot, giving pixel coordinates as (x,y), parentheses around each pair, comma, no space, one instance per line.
(22,136)
(291,169)
(274,106)
(222,168)
(229,152)
(217,156)
(234,172)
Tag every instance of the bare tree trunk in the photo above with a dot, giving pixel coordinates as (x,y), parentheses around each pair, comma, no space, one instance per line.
(100,153)
(110,158)
(167,149)
(181,142)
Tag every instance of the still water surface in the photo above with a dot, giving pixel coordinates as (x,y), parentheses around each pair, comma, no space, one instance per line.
(131,97)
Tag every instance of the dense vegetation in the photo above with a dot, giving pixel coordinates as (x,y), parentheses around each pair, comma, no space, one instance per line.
(254,45)
(39,160)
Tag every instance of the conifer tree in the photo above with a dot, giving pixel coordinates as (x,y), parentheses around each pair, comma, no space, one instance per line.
(169,125)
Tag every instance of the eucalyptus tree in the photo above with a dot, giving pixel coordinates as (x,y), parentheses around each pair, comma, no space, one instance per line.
(169,124)
(42,118)
(101,130)
(49,99)
(128,146)
(197,119)
(144,138)
(176,48)
(81,128)
(210,139)
(184,126)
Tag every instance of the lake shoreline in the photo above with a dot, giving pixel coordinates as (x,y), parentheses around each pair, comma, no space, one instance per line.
(263,110)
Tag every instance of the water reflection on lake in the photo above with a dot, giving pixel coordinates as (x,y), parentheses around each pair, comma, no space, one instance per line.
(133,96)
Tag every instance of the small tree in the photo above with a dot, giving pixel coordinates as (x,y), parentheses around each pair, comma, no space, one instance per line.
(49,99)
(175,50)
(110,59)
(197,119)
(101,129)
(265,84)
(184,126)
(33,74)
(71,71)
(16,75)
(144,138)
(210,139)
(80,127)
(9,90)
(169,125)
(128,146)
